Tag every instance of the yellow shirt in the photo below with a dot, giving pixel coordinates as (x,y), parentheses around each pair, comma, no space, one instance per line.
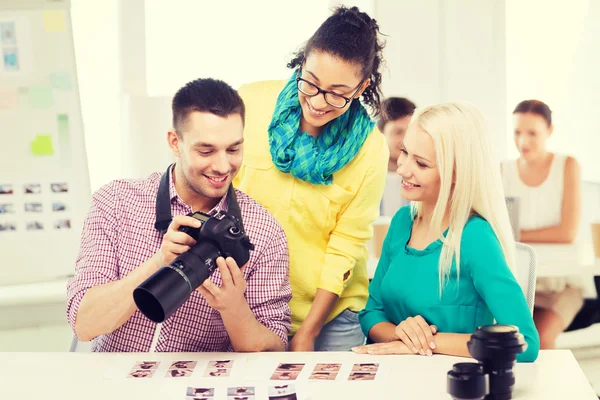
(327,226)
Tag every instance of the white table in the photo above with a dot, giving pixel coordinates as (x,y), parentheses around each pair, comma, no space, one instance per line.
(90,376)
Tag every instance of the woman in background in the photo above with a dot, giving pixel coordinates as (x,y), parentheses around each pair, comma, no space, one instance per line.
(447,260)
(314,159)
(549,190)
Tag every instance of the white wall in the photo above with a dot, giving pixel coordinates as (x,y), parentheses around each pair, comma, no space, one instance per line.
(96,39)
(553,54)
(443,50)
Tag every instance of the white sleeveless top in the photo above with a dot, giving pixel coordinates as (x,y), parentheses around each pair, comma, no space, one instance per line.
(540,207)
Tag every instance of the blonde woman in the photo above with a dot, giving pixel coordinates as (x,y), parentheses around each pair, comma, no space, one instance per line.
(446,265)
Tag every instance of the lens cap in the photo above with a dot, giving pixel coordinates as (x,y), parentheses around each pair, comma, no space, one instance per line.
(466,381)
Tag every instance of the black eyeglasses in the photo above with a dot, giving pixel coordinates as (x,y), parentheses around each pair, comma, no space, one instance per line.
(333,99)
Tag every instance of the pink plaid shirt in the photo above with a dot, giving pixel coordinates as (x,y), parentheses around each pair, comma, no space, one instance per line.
(119,235)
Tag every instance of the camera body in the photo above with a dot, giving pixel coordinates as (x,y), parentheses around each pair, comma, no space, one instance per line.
(220,235)
(222,230)
(495,347)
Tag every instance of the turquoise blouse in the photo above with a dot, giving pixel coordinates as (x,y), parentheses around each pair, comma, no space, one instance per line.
(406,284)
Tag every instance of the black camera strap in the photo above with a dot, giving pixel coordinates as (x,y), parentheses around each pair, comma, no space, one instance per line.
(163,204)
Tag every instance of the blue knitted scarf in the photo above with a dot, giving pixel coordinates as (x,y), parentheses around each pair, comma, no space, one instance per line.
(315,159)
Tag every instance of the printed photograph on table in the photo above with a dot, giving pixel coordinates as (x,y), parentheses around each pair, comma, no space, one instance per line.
(62,224)
(7,208)
(216,372)
(282,392)
(284,375)
(11,59)
(6,189)
(183,365)
(141,373)
(146,365)
(366,367)
(241,392)
(323,376)
(34,226)
(221,364)
(32,188)
(328,367)
(179,373)
(8,33)
(59,206)
(8,226)
(34,207)
(59,187)
(362,376)
(200,393)
(218,368)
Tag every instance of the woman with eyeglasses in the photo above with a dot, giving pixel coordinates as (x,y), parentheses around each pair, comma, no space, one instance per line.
(313,158)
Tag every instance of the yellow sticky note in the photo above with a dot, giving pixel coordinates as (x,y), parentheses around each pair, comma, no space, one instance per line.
(54,21)
(42,146)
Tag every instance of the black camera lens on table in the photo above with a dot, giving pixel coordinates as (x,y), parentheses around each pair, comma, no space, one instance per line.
(220,235)
(496,348)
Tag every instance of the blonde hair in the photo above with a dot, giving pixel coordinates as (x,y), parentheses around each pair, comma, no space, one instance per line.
(470,180)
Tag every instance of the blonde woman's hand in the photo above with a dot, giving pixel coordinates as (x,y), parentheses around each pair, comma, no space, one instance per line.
(417,335)
(393,347)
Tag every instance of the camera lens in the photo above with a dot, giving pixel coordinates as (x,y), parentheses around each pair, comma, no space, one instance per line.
(466,381)
(496,348)
(167,289)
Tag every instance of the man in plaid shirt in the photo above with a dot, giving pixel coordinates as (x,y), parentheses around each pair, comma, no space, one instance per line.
(235,309)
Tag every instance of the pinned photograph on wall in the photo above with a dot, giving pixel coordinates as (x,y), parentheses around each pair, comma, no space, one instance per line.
(141,373)
(34,207)
(11,59)
(59,206)
(146,365)
(59,187)
(7,208)
(8,226)
(32,188)
(282,392)
(241,392)
(62,224)
(6,189)
(193,393)
(8,33)
(34,226)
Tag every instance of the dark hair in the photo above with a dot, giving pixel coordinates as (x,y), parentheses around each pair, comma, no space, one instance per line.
(206,95)
(535,107)
(352,36)
(394,108)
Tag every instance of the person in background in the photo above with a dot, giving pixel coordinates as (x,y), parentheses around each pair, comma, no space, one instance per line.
(448,258)
(548,186)
(316,161)
(393,122)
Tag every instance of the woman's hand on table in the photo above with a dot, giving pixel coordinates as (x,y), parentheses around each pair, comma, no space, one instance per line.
(417,335)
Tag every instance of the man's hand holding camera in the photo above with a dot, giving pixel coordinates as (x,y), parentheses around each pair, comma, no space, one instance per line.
(176,242)
(230,296)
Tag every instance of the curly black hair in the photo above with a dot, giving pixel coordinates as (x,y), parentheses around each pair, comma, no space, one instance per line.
(352,36)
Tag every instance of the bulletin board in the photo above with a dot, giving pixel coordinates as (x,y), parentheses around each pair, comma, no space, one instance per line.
(44,180)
